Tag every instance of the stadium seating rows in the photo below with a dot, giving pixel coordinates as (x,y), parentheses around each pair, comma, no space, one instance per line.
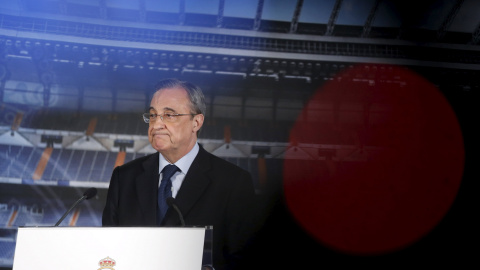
(88,165)
(132,124)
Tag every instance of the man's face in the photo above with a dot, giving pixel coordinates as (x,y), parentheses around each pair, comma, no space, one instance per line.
(173,138)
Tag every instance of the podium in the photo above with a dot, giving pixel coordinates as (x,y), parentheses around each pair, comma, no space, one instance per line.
(112,248)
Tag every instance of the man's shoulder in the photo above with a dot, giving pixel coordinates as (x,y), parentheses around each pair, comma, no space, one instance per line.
(139,161)
(226,166)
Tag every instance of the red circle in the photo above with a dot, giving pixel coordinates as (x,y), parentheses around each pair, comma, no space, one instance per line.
(375,160)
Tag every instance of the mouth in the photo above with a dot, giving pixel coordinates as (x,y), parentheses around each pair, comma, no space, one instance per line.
(159,134)
(160,137)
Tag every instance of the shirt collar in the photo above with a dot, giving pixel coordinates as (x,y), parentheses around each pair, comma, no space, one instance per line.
(183,163)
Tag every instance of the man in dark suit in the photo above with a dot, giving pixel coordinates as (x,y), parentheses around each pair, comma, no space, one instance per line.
(208,190)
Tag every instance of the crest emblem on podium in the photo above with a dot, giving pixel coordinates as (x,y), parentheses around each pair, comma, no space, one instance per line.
(106,263)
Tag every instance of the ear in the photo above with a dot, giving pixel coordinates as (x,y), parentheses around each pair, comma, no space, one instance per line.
(198,122)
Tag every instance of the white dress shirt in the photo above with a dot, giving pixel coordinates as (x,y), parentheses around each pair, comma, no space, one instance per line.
(183,164)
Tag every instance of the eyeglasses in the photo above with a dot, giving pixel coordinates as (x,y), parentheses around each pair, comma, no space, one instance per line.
(166,116)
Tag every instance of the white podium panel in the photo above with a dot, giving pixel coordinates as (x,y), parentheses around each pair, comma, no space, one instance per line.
(113,248)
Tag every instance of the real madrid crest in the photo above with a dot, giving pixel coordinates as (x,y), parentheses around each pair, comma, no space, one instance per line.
(107,263)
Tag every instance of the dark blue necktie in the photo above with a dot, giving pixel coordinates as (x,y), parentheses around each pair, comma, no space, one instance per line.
(165,191)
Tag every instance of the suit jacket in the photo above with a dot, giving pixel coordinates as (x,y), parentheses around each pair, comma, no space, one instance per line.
(214,192)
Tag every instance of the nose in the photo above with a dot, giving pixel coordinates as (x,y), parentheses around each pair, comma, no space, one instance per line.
(158,123)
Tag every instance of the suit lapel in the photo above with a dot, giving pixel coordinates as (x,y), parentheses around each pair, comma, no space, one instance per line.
(147,186)
(195,183)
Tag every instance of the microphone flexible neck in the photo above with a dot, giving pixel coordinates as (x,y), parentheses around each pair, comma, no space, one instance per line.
(70,210)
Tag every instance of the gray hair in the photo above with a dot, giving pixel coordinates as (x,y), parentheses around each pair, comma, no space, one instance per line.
(195,94)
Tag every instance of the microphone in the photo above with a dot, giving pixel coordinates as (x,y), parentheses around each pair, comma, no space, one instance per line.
(88,194)
(171,203)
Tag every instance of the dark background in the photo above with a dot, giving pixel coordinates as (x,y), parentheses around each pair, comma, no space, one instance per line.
(64,63)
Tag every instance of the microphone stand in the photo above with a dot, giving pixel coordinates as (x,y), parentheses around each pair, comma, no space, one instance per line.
(70,210)
(89,193)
